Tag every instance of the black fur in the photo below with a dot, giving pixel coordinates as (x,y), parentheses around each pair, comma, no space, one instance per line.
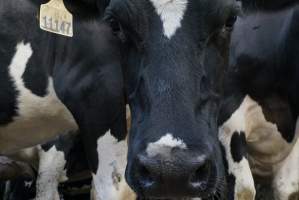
(238,146)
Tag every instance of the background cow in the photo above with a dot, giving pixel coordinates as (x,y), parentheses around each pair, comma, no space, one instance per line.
(260,109)
(52,84)
(60,170)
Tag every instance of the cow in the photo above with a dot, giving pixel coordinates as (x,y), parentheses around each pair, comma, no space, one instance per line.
(55,168)
(59,168)
(52,84)
(259,112)
(174,54)
(58,163)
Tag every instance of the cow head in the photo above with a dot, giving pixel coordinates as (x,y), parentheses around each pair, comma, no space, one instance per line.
(174,52)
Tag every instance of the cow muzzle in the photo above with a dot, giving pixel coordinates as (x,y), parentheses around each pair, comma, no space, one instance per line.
(172,175)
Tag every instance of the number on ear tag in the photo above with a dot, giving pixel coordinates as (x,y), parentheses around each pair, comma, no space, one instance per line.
(55,18)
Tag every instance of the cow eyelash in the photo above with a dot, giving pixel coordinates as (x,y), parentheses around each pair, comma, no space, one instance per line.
(231,21)
(232,18)
(116,28)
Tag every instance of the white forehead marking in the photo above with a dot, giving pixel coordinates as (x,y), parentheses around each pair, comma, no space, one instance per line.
(164,145)
(171,13)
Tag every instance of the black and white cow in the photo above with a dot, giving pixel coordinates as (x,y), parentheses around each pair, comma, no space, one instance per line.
(64,160)
(62,170)
(259,115)
(51,84)
(174,52)
(58,163)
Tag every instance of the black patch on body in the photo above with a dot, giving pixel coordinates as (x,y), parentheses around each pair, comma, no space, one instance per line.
(8,97)
(231,182)
(238,146)
(73,149)
(35,77)
(230,178)
(8,93)
(277,110)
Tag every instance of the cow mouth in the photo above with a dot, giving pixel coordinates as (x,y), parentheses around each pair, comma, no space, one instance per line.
(217,191)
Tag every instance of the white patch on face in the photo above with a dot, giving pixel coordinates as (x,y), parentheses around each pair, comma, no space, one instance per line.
(39,118)
(286,180)
(51,172)
(109,181)
(164,145)
(171,13)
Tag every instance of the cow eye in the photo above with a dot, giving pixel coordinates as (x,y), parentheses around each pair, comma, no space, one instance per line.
(231,21)
(115,26)
(117,29)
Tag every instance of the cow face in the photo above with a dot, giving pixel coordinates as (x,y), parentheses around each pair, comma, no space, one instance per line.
(174,55)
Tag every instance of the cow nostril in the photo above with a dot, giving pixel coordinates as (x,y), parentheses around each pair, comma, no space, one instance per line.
(146,178)
(200,178)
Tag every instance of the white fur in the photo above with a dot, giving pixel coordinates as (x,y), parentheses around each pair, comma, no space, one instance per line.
(39,118)
(51,172)
(164,145)
(286,180)
(171,13)
(109,180)
(244,185)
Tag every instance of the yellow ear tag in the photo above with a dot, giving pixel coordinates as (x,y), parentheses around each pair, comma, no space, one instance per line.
(55,18)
